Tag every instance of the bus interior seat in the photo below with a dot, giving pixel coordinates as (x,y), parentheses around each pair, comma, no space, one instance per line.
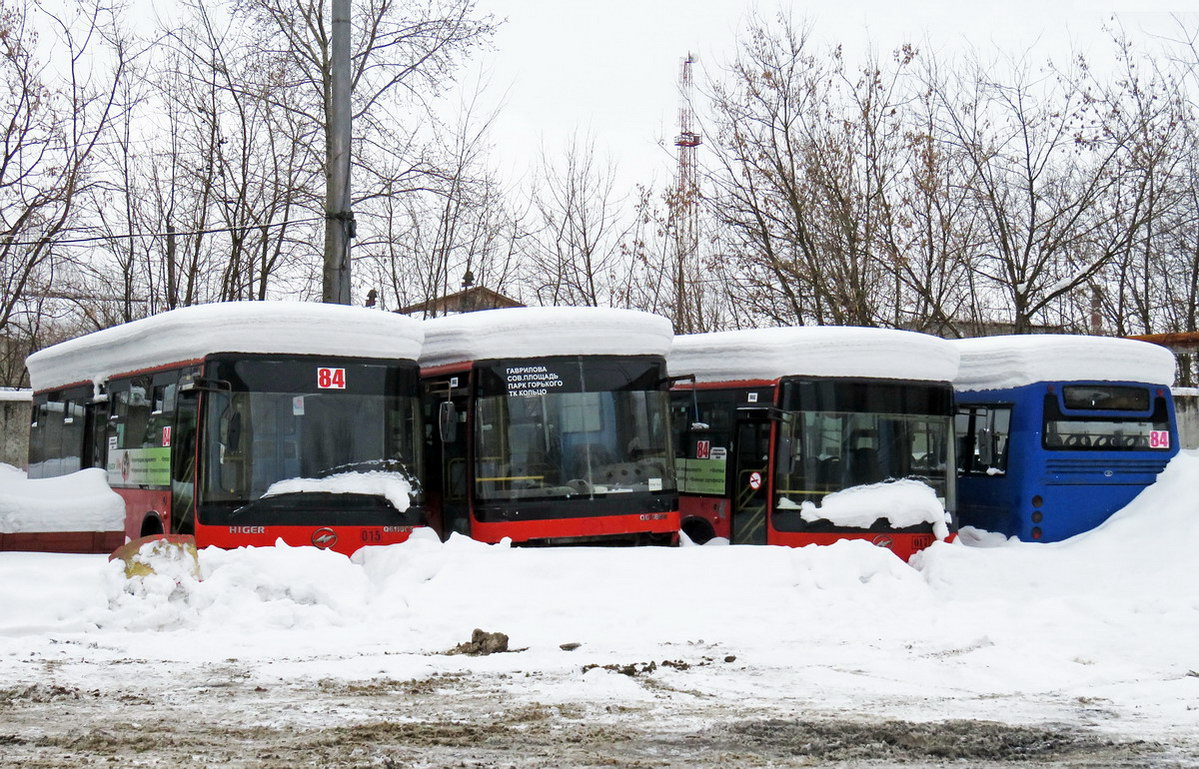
(829,472)
(622,474)
(588,459)
(863,467)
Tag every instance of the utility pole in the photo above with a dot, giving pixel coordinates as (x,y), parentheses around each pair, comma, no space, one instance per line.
(339,220)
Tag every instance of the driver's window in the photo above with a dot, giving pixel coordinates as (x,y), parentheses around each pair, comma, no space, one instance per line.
(989,427)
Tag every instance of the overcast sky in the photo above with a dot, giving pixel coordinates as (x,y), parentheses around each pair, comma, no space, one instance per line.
(609,67)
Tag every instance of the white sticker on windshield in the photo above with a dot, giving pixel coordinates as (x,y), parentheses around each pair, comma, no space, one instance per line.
(655,484)
(297,406)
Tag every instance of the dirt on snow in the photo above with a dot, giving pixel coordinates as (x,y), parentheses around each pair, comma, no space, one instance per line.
(220,716)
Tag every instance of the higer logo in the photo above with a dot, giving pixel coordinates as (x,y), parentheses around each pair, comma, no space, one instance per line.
(882,540)
(324,538)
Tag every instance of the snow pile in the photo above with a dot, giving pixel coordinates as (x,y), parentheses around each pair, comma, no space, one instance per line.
(16,394)
(81,501)
(770,353)
(425,595)
(243,590)
(190,333)
(1144,554)
(905,502)
(526,332)
(997,362)
(396,488)
(610,599)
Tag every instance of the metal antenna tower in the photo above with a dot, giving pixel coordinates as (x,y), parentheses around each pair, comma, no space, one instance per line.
(686,203)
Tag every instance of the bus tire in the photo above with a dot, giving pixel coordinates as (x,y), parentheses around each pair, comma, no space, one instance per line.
(152,525)
(698,530)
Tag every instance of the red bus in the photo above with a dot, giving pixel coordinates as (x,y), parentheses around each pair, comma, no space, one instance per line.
(550,425)
(242,423)
(770,422)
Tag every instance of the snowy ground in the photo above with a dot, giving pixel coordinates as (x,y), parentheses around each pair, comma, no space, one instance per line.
(1082,653)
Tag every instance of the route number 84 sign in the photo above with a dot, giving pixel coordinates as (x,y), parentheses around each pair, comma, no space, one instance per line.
(331,378)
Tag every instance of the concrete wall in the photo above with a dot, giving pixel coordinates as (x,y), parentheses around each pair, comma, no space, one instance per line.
(1186,410)
(14,427)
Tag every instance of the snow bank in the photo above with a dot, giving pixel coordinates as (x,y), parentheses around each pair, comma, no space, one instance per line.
(770,353)
(80,501)
(394,487)
(905,502)
(426,596)
(1144,554)
(16,394)
(997,362)
(248,589)
(190,333)
(524,332)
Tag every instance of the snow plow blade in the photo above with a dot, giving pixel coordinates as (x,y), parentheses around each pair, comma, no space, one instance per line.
(157,544)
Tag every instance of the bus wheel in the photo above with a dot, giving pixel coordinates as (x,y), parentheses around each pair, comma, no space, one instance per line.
(698,530)
(151,526)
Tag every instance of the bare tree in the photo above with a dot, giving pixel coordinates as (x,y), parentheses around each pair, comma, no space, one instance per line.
(49,138)
(575,252)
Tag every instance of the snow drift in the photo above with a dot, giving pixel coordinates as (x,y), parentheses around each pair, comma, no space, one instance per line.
(80,501)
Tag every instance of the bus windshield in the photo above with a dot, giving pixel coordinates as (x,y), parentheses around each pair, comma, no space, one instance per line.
(841,434)
(302,421)
(1108,431)
(568,427)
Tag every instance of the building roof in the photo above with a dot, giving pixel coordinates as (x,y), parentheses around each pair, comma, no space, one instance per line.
(472,299)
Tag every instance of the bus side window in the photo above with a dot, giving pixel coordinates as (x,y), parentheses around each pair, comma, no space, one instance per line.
(37,437)
(963,423)
(137,415)
(118,407)
(1001,421)
(74,424)
(162,407)
(983,439)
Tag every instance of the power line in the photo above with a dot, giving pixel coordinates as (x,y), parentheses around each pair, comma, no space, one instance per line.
(131,235)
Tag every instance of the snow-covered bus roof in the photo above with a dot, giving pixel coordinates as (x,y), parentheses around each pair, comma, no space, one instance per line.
(822,351)
(531,332)
(1000,362)
(190,333)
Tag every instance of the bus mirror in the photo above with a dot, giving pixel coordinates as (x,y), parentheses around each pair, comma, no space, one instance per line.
(447,420)
(195,386)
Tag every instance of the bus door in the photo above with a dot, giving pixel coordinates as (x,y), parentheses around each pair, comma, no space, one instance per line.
(182,442)
(751,463)
(448,442)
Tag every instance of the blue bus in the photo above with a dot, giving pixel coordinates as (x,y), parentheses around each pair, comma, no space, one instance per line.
(1056,433)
